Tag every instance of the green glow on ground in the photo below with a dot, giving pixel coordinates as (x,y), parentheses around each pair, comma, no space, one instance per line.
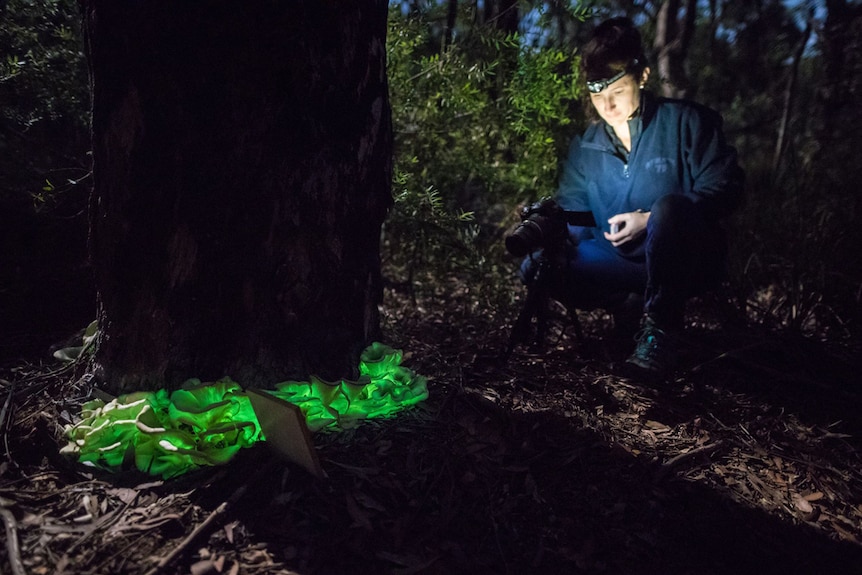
(207,423)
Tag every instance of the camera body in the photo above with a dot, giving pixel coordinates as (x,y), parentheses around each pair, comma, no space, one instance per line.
(543,226)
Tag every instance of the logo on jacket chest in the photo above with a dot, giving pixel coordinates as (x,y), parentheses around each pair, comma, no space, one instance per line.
(660,165)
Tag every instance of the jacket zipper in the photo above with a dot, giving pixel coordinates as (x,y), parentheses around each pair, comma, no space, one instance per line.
(611,151)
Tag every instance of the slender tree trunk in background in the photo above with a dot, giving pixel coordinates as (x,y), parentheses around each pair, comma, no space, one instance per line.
(713,28)
(842,65)
(789,93)
(242,171)
(840,122)
(503,15)
(671,45)
(451,20)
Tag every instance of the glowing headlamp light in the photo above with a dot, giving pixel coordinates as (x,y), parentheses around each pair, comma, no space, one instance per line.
(599,85)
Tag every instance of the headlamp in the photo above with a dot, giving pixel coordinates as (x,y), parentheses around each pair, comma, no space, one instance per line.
(598,85)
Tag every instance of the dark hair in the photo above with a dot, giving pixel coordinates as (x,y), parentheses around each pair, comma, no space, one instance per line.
(615,46)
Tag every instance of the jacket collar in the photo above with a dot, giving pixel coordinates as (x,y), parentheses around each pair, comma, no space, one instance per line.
(597,135)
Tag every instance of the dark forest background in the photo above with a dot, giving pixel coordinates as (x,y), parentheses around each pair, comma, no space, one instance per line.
(486,97)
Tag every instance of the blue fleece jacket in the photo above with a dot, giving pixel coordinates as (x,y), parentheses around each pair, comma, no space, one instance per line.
(680,150)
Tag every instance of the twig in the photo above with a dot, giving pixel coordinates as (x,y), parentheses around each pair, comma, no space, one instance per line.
(668,465)
(200,530)
(5,417)
(689,454)
(208,523)
(12,540)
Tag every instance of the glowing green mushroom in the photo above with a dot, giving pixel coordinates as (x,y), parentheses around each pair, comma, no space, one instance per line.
(207,423)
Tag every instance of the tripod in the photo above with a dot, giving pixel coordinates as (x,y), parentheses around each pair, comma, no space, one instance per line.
(549,268)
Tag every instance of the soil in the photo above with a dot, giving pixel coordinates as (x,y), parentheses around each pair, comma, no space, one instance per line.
(556,460)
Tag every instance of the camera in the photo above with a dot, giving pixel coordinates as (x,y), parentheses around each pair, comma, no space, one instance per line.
(543,225)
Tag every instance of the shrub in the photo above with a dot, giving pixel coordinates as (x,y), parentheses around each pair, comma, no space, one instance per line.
(479,129)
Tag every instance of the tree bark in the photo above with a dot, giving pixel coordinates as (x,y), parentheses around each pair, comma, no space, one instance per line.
(242,172)
(672,41)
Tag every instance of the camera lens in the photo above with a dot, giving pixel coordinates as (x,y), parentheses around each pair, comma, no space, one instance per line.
(526,238)
(517,246)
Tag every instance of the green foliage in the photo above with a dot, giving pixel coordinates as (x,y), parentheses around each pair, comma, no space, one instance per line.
(45,289)
(421,231)
(479,128)
(44,99)
(542,94)
(480,125)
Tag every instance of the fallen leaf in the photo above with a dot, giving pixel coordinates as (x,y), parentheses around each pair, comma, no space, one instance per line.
(124,494)
(205,567)
(656,426)
(844,533)
(256,556)
(360,518)
(228,531)
(368,502)
(802,504)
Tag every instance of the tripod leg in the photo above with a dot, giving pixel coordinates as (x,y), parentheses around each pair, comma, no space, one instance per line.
(541,320)
(521,328)
(536,305)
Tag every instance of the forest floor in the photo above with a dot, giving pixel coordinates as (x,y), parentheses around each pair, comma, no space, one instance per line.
(747,461)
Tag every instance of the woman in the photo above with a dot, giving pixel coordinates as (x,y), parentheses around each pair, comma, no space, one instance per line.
(658,177)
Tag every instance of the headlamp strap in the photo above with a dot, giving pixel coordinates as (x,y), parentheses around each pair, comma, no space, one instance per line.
(597,86)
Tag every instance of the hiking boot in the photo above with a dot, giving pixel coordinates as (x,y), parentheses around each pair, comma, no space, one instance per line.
(654,352)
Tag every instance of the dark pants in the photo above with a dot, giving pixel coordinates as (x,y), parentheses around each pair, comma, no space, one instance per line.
(681,255)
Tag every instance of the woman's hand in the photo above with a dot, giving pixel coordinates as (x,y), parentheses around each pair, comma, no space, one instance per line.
(631,226)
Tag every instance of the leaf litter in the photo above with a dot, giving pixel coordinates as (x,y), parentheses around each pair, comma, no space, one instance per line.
(555,462)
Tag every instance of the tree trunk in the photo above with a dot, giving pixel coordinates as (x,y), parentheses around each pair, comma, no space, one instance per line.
(789,93)
(840,44)
(503,15)
(242,171)
(672,40)
(451,21)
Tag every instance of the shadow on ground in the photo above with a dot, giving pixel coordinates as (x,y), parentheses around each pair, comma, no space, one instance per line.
(479,490)
(746,462)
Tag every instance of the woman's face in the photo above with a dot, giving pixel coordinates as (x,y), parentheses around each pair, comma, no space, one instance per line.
(618,101)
